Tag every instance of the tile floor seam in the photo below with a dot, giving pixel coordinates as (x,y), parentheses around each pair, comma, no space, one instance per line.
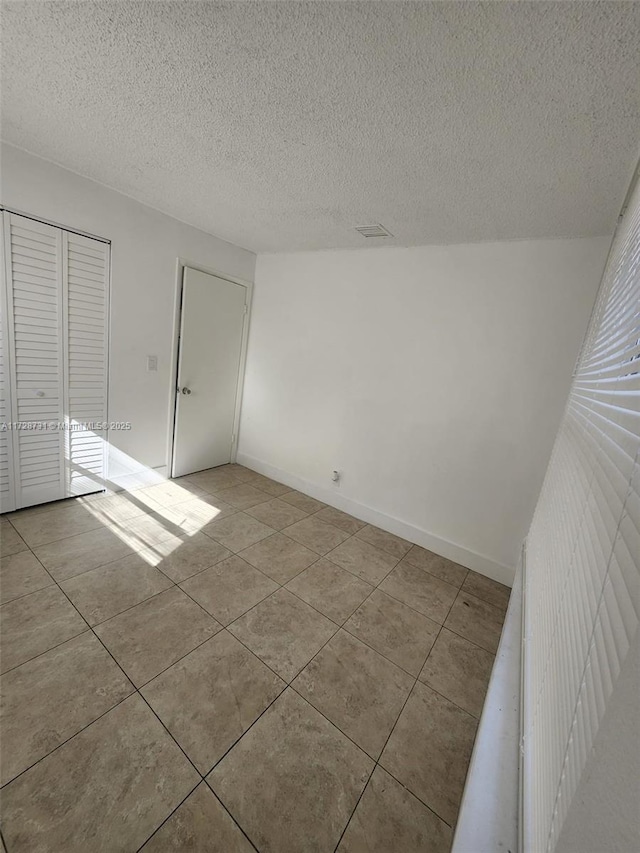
(182,657)
(24,595)
(71,737)
(280,586)
(239,738)
(226,627)
(225,807)
(157,829)
(472,642)
(287,684)
(223,627)
(131,606)
(135,690)
(85,571)
(377,760)
(170,815)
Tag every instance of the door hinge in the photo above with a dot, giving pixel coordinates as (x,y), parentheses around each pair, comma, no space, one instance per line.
(246,308)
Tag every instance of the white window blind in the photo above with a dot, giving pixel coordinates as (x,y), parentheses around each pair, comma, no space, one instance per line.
(582,582)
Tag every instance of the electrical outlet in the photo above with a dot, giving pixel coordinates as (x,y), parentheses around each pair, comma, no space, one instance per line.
(152,363)
(335,476)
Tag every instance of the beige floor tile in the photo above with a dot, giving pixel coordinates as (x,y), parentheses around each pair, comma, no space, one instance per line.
(170,492)
(77,554)
(420,590)
(284,632)
(10,540)
(341,519)
(316,535)
(58,523)
(429,750)
(242,474)
(114,508)
(50,698)
(364,560)
(81,797)
(238,531)
(436,565)
(361,692)
(276,513)
(243,496)
(293,780)
(395,630)
(199,825)
(459,670)
(108,590)
(477,621)
(144,531)
(279,557)
(488,590)
(213,480)
(192,515)
(211,697)
(330,589)
(21,574)
(389,819)
(265,484)
(36,623)
(229,589)
(190,555)
(303,502)
(393,545)
(156,633)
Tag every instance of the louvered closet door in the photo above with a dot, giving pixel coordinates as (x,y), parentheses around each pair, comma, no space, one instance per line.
(87,274)
(34,328)
(55,360)
(7,500)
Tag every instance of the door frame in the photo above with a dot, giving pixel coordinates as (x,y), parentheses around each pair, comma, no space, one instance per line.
(181,264)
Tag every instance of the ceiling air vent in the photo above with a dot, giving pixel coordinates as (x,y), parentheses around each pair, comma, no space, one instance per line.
(373,231)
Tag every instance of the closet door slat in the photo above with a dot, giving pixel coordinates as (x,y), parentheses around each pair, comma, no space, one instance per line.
(86,300)
(34,269)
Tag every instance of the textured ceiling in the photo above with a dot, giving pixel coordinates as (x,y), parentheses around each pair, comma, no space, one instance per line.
(281,126)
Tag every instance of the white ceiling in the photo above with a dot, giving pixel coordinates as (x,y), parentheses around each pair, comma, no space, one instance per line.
(281,126)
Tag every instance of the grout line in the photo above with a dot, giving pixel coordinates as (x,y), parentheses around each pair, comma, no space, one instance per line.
(287,684)
(157,829)
(377,762)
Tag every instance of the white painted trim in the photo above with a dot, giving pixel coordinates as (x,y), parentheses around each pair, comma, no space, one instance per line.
(54,224)
(181,263)
(470,559)
(490,808)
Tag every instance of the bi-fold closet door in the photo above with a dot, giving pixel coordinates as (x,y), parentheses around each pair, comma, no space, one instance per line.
(53,363)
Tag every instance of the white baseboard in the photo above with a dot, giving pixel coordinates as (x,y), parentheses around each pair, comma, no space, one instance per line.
(470,559)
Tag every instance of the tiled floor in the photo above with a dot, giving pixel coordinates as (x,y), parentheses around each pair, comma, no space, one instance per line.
(218,663)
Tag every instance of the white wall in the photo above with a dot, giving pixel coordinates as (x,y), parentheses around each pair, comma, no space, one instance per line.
(433,377)
(145,247)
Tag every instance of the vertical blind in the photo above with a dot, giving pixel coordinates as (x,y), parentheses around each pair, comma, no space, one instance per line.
(582,580)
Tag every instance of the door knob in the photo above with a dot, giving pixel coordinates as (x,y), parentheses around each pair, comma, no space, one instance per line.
(186,390)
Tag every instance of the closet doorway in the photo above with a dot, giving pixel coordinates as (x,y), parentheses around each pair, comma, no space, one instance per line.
(54,311)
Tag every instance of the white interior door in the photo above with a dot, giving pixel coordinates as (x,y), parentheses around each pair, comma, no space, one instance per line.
(211,328)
